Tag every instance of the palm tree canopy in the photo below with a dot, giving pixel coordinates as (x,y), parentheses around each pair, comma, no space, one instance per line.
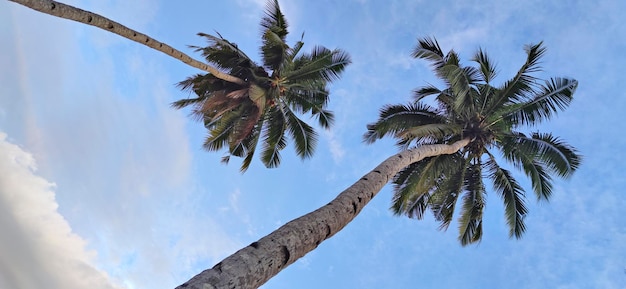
(287,84)
(471,107)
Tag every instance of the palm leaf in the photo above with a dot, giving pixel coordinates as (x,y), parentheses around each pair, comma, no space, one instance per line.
(445,195)
(250,144)
(487,68)
(513,196)
(522,83)
(220,132)
(274,50)
(470,221)
(407,198)
(303,135)
(274,20)
(425,91)
(273,137)
(554,96)
(525,159)
(396,119)
(224,54)
(428,48)
(434,130)
(320,63)
(559,157)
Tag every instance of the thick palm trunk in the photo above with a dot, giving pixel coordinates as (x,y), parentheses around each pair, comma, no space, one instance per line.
(255,264)
(69,12)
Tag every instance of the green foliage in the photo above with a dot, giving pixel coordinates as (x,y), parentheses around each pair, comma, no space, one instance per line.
(470,107)
(288,83)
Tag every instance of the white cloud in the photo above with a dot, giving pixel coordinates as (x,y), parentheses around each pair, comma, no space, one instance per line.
(37,246)
(119,154)
(334,144)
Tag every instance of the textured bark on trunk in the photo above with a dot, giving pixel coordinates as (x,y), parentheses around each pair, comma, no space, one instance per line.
(255,264)
(70,12)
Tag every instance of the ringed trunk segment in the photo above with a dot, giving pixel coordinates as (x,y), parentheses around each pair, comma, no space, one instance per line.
(255,264)
(70,12)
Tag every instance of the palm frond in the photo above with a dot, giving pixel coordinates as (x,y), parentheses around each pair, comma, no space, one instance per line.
(460,80)
(445,195)
(273,137)
(220,132)
(525,159)
(407,198)
(488,70)
(425,91)
(320,63)
(554,96)
(558,156)
(304,136)
(428,48)
(307,98)
(412,185)
(433,130)
(250,144)
(470,221)
(513,196)
(395,119)
(516,89)
(274,20)
(293,51)
(224,54)
(274,50)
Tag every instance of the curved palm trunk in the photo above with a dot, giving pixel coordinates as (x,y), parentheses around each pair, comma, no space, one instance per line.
(255,264)
(70,12)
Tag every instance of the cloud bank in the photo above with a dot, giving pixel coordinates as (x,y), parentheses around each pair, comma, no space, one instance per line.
(37,246)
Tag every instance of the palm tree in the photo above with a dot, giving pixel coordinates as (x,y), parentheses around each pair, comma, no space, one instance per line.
(470,107)
(240,102)
(266,107)
(446,151)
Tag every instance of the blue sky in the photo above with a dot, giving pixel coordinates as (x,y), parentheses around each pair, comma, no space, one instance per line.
(102,184)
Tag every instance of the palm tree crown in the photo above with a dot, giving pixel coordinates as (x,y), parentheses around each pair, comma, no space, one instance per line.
(287,84)
(470,107)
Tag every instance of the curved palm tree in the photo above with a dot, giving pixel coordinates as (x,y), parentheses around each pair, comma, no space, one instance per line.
(287,84)
(243,103)
(471,107)
(446,152)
